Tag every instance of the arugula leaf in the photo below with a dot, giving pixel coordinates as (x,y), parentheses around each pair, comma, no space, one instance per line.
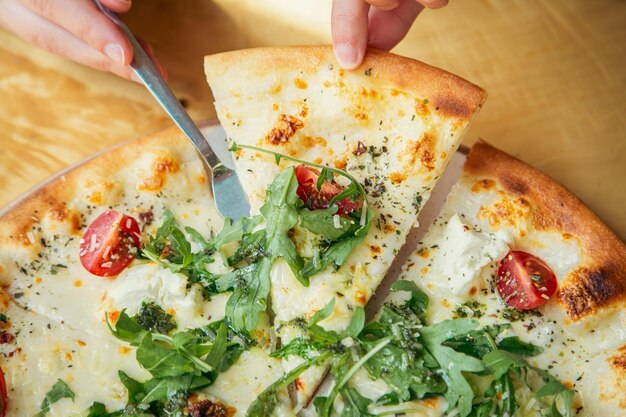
(234,231)
(514,344)
(356,324)
(134,388)
(322,222)
(97,410)
(127,329)
(338,251)
(58,391)
(161,361)
(500,362)
(281,215)
(418,301)
(453,363)
(251,249)
(356,405)
(267,401)
(161,389)
(249,298)
(171,249)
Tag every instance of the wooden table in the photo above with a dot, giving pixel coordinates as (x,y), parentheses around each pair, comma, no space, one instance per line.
(555,71)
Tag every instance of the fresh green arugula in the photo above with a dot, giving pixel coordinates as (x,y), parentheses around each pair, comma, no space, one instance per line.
(58,391)
(354,228)
(417,361)
(179,363)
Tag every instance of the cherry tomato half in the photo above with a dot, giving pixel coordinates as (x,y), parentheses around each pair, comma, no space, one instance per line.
(524,281)
(110,244)
(320,199)
(4,401)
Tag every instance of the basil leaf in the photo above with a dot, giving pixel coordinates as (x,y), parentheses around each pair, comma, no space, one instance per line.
(58,391)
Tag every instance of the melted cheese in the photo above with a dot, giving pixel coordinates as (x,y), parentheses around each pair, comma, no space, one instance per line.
(150,282)
(242,383)
(569,348)
(48,351)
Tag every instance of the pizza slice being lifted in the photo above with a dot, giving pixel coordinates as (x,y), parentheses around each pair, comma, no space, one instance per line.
(368,146)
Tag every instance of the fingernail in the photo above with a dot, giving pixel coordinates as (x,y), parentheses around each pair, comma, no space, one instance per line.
(115,52)
(135,77)
(347,55)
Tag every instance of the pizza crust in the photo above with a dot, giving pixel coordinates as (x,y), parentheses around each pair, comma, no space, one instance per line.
(598,285)
(453,96)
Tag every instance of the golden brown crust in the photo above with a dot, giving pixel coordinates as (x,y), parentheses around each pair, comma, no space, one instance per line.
(52,197)
(451,95)
(601,282)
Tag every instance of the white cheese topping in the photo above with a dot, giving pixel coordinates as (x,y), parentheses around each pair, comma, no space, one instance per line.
(150,282)
(463,253)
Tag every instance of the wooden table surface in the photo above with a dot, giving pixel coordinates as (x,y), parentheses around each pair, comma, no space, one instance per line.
(555,72)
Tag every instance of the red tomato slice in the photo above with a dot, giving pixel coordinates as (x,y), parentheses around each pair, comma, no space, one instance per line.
(320,199)
(525,281)
(110,244)
(4,401)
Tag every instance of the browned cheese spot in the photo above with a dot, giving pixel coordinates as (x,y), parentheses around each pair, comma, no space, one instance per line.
(484,184)
(421,107)
(300,83)
(505,212)
(389,228)
(164,164)
(208,408)
(375,249)
(284,130)
(360,297)
(587,289)
(422,150)
(397,177)
(62,214)
(341,163)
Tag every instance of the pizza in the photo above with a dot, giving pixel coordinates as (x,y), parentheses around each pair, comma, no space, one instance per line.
(393,124)
(516,291)
(125,293)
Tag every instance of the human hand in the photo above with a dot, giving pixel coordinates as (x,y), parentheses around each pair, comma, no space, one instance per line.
(75,29)
(357,24)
